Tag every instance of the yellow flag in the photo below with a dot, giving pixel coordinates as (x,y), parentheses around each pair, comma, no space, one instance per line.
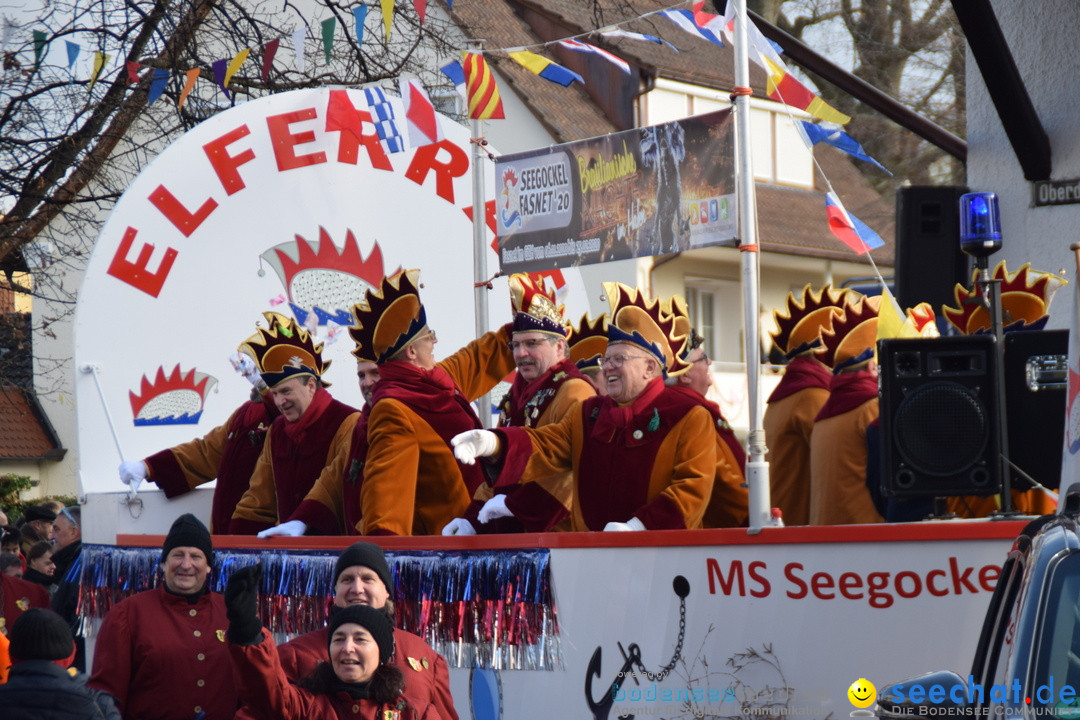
(387,16)
(100,59)
(235,65)
(890,317)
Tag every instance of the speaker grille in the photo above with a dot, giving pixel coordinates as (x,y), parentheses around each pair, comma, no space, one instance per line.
(941,428)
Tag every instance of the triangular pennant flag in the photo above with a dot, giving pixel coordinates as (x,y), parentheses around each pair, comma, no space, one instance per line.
(100,59)
(453,71)
(482,92)
(421,9)
(72,52)
(547,69)
(237,61)
(269,51)
(424,127)
(849,229)
(219,67)
(39,47)
(617,33)
(838,139)
(890,317)
(328,27)
(578,46)
(298,48)
(360,15)
(157,85)
(685,20)
(189,83)
(387,16)
(784,87)
(132,71)
(382,114)
(341,115)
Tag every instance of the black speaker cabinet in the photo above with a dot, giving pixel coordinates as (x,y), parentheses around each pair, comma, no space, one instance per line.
(939,418)
(929,262)
(1036,367)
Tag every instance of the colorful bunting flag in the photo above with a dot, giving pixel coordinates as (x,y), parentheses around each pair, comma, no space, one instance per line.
(579,46)
(387,16)
(547,69)
(189,83)
(421,9)
(298,48)
(157,85)
(382,115)
(617,33)
(453,71)
(481,90)
(328,27)
(424,127)
(100,59)
(235,64)
(359,16)
(839,139)
(341,115)
(707,21)
(269,51)
(132,71)
(684,19)
(39,47)
(219,67)
(72,52)
(849,229)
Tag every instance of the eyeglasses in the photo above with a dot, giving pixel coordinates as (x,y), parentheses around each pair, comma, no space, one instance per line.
(530,344)
(429,335)
(618,360)
(704,358)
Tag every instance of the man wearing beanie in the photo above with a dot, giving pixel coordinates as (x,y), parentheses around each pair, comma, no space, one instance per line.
(362,578)
(40,686)
(162,653)
(37,522)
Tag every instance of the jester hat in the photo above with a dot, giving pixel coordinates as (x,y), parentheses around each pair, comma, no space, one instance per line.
(284,350)
(389,318)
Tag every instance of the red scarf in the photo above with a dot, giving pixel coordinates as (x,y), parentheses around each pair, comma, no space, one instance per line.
(613,416)
(527,401)
(847,392)
(319,402)
(802,372)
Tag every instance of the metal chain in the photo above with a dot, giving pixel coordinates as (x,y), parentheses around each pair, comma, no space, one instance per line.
(665,670)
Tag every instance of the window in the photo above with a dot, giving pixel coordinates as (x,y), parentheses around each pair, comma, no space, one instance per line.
(716,312)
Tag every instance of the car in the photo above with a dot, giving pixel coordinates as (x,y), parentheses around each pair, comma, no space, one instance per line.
(1027,660)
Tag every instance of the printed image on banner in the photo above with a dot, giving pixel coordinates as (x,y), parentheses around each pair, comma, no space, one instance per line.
(648,191)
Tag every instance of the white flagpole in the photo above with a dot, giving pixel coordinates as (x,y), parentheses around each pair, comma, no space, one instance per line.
(757,470)
(480,272)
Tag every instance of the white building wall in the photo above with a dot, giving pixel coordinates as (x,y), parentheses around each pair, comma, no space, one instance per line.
(1042,36)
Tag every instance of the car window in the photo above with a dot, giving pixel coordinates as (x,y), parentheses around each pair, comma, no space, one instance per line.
(1057,663)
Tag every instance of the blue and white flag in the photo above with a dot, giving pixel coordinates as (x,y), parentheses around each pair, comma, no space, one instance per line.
(839,139)
(456,73)
(685,20)
(382,115)
(579,46)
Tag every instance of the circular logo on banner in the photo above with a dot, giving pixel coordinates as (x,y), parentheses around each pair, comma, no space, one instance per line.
(295,203)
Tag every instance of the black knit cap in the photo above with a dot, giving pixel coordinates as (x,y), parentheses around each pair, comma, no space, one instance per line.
(367,554)
(40,634)
(38,512)
(375,621)
(188,531)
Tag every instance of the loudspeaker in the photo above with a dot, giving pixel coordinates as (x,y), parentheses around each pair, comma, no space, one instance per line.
(1036,368)
(939,417)
(929,262)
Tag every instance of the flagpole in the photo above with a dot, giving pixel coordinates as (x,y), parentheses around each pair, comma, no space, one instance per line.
(757,470)
(479,218)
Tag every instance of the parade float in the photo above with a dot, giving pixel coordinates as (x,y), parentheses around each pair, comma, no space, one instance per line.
(293,203)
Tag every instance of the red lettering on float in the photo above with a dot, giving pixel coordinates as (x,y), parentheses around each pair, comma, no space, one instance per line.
(424,161)
(343,117)
(136,273)
(224,164)
(284,141)
(183,219)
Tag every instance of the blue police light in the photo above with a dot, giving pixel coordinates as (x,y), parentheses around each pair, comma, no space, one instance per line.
(980,224)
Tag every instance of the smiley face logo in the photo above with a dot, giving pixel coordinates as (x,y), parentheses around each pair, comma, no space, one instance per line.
(862,693)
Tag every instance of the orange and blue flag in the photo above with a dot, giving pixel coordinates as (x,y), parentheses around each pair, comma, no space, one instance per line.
(547,69)
(483,94)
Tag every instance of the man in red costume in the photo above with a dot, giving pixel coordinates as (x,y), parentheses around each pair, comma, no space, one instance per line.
(362,577)
(644,455)
(838,491)
(411,483)
(227,453)
(547,387)
(797,399)
(162,653)
(308,441)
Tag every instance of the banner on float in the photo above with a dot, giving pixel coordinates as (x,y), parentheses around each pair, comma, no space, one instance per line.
(648,191)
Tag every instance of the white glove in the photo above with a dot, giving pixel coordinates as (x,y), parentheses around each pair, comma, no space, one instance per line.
(245,365)
(472,444)
(293,528)
(132,473)
(494,508)
(631,524)
(459,526)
